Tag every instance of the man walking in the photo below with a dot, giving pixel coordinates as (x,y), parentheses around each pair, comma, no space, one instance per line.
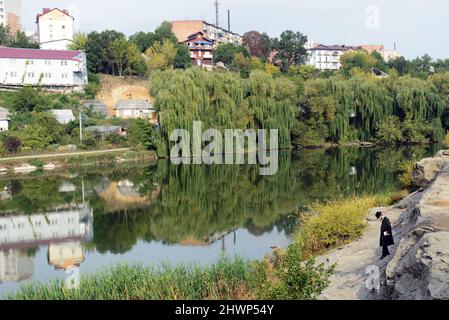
(386,234)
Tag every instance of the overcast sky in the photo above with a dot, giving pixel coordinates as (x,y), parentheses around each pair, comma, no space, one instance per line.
(417,26)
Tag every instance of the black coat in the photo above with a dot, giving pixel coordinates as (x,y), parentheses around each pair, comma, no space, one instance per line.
(386,227)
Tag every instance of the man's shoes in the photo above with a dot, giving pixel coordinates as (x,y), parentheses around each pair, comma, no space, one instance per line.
(383,257)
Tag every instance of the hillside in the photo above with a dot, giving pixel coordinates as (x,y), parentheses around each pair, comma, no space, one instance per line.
(114,89)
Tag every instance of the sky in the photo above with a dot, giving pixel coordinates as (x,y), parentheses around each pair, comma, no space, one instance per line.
(416,26)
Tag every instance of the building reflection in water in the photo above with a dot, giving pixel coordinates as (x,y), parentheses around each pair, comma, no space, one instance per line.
(62,230)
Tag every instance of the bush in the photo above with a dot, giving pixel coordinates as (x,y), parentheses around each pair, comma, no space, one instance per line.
(337,222)
(390,132)
(446,140)
(406,177)
(12,144)
(290,277)
(37,163)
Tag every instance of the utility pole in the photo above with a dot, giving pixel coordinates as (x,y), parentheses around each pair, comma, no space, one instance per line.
(81,125)
(217,13)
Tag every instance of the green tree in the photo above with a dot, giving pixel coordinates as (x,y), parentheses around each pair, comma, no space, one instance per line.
(161,56)
(79,41)
(291,49)
(226,52)
(182,58)
(27,100)
(99,55)
(143,40)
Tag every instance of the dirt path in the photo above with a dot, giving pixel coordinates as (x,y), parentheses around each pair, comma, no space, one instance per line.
(63,155)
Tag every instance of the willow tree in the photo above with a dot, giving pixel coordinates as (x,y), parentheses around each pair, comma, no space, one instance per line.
(223,101)
(372,104)
(417,102)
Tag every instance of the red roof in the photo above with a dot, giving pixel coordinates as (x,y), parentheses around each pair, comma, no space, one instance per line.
(48,10)
(17,53)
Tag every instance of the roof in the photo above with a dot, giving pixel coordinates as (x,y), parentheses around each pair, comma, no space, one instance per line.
(48,10)
(333,47)
(4,113)
(18,53)
(133,105)
(63,116)
(104,129)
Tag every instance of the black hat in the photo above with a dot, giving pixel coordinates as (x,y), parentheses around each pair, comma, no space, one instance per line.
(378,214)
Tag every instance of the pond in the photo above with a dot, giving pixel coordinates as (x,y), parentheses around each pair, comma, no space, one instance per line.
(154,213)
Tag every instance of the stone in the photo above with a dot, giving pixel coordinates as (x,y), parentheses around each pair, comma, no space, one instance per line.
(423,273)
(442,154)
(25,168)
(425,171)
(50,166)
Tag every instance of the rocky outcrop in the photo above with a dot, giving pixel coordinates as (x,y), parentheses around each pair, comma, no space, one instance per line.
(420,266)
(425,171)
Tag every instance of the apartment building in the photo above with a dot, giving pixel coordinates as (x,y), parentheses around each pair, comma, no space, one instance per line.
(184,28)
(53,69)
(10,14)
(327,57)
(55,29)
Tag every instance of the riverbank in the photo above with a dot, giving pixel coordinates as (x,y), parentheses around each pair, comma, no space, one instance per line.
(55,161)
(417,268)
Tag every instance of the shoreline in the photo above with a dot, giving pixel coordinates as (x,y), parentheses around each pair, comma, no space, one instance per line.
(53,162)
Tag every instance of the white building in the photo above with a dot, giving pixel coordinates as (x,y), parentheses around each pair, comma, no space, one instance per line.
(15,265)
(52,69)
(134,109)
(66,224)
(326,57)
(4,119)
(55,29)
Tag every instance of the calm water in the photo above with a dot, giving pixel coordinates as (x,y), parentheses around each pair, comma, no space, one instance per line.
(154,213)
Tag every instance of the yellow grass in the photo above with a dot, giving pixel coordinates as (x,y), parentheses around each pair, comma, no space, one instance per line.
(337,222)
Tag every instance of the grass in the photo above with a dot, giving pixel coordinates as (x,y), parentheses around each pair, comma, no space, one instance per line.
(223,281)
(334,223)
(288,278)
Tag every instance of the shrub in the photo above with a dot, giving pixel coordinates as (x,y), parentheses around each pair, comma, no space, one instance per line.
(406,176)
(337,222)
(289,277)
(12,144)
(37,163)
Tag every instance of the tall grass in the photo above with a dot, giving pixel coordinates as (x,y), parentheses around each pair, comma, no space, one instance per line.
(336,222)
(289,277)
(222,281)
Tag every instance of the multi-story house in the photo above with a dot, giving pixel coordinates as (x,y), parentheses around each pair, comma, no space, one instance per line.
(327,57)
(201,50)
(184,28)
(55,29)
(52,69)
(10,15)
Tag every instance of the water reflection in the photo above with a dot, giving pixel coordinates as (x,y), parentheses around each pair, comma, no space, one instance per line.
(53,222)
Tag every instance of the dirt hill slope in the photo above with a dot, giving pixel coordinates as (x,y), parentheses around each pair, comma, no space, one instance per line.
(114,89)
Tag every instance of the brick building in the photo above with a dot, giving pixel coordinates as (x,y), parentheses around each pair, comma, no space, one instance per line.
(201,50)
